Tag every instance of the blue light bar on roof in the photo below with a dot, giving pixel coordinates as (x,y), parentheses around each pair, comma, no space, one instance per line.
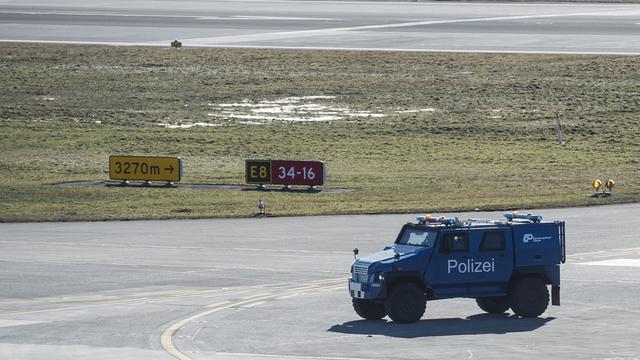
(530,217)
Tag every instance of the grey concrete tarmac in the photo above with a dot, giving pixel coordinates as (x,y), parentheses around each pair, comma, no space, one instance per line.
(393,26)
(276,288)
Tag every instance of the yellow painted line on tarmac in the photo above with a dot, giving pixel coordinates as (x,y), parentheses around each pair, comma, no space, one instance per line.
(135,296)
(256,296)
(328,280)
(254,304)
(156,296)
(106,300)
(139,296)
(166,338)
(218,304)
(335,287)
(123,301)
(120,302)
(319,289)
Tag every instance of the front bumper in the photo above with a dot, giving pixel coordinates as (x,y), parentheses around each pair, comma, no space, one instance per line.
(365,290)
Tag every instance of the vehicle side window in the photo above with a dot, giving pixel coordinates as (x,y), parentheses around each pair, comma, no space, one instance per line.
(455,242)
(493,241)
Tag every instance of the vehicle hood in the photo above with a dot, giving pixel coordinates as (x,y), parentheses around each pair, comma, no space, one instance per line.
(389,253)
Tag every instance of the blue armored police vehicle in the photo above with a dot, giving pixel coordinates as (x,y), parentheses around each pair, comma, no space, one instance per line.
(502,264)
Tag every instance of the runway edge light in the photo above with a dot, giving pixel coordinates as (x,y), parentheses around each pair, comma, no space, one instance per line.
(610,184)
(597,184)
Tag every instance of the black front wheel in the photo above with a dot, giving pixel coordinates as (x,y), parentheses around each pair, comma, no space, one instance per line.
(367,309)
(406,303)
(493,304)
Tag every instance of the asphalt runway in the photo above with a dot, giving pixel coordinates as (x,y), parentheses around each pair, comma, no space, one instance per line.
(346,25)
(275,288)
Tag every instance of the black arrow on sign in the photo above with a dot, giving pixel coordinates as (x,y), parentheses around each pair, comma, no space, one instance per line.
(169,169)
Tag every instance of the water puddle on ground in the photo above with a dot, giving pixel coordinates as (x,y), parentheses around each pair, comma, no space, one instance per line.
(293,109)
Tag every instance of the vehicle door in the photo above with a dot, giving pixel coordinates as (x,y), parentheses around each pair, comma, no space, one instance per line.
(492,261)
(446,273)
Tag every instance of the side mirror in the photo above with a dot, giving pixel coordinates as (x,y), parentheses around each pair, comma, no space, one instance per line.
(355,253)
(396,256)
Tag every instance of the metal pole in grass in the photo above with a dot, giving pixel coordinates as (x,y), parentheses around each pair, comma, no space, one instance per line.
(559,130)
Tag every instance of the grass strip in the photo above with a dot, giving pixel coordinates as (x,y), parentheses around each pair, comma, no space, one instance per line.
(455,132)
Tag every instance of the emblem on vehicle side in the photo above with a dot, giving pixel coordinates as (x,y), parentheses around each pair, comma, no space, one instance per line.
(530,238)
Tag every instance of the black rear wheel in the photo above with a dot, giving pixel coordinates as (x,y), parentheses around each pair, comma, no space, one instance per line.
(493,304)
(529,297)
(406,303)
(367,309)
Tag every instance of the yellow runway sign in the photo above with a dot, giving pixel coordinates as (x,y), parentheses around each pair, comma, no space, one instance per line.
(257,171)
(145,168)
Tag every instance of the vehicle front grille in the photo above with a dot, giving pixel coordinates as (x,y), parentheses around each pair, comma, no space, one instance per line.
(360,272)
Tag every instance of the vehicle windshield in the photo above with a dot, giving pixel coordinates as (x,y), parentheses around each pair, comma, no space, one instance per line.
(418,237)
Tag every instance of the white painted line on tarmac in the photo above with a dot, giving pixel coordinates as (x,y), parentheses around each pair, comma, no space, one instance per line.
(614,262)
(606,281)
(85,13)
(198,17)
(292,251)
(109,43)
(602,253)
(68,243)
(243,17)
(287,296)
(9,323)
(335,31)
(461,3)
